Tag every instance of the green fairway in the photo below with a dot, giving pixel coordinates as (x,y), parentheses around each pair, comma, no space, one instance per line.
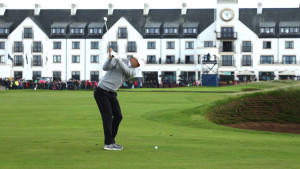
(63,130)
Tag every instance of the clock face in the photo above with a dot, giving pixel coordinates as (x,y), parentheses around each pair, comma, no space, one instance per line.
(226,14)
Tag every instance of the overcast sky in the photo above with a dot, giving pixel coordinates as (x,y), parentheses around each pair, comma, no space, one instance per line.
(139,4)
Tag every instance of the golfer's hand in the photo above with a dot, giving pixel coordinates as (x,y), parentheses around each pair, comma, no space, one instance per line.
(112,54)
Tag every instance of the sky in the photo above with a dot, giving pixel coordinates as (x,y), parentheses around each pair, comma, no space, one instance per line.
(139,4)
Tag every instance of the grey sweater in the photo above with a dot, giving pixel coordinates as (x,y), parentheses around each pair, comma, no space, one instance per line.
(116,73)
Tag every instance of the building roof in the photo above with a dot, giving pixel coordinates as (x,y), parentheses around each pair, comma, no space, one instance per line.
(200,18)
(253,21)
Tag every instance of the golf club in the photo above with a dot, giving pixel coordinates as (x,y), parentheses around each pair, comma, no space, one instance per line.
(105,20)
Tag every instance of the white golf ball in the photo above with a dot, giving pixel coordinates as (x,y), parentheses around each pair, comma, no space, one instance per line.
(156,147)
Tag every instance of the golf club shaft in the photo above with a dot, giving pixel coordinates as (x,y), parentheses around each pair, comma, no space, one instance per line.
(108,36)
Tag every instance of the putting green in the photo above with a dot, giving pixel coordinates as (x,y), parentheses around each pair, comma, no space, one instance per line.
(63,129)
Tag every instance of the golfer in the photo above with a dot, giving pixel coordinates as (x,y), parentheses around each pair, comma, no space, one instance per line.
(106,96)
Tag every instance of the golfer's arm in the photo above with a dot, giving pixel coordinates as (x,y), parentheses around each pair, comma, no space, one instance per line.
(107,65)
(128,72)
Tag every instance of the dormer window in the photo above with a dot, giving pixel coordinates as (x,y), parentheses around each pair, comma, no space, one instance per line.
(59,28)
(3,31)
(58,31)
(95,31)
(189,31)
(289,30)
(171,31)
(76,31)
(267,30)
(152,31)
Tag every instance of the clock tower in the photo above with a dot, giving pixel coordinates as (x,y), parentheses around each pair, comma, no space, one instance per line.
(227,11)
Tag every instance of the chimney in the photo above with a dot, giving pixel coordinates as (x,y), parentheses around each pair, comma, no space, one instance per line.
(183,9)
(110,9)
(146,9)
(2,9)
(259,8)
(37,9)
(73,9)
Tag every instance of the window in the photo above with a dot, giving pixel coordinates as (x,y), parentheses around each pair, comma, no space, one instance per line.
(36,75)
(266,60)
(170,59)
(27,33)
(95,31)
(208,44)
(151,59)
(151,45)
(169,77)
(289,44)
(131,47)
(37,60)
(56,76)
(189,45)
(18,47)
(58,31)
(75,45)
(76,31)
(37,47)
(266,76)
(2,59)
(152,31)
(95,76)
(246,60)
(56,45)
(94,45)
(189,31)
(2,45)
(18,61)
(114,46)
(75,59)
(227,60)
(289,30)
(170,45)
(18,75)
(246,47)
(76,75)
(267,30)
(227,32)
(94,58)
(56,59)
(289,60)
(189,59)
(171,31)
(267,45)
(3,31)
(122,33)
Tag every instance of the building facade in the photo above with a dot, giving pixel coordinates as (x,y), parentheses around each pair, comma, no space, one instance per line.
(175,44)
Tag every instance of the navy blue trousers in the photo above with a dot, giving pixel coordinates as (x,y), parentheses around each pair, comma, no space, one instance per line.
(110,111)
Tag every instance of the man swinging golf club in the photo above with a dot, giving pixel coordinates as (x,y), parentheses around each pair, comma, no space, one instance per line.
(106,96)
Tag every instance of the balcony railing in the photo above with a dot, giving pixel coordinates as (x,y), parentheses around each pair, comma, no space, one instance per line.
(246,48)
(18,49)
(171,62)
(226,35)
(227,62)
(274,62)
(246,63)
(227,49)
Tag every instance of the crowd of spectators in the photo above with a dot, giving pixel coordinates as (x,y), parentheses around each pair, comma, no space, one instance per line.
(51,85)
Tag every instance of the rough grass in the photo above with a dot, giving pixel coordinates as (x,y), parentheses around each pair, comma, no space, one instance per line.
(281,105)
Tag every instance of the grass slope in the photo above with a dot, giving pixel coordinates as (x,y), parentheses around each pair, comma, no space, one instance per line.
(63,129)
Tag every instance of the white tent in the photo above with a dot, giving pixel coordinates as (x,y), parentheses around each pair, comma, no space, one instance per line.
(287,73)
(245,72)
